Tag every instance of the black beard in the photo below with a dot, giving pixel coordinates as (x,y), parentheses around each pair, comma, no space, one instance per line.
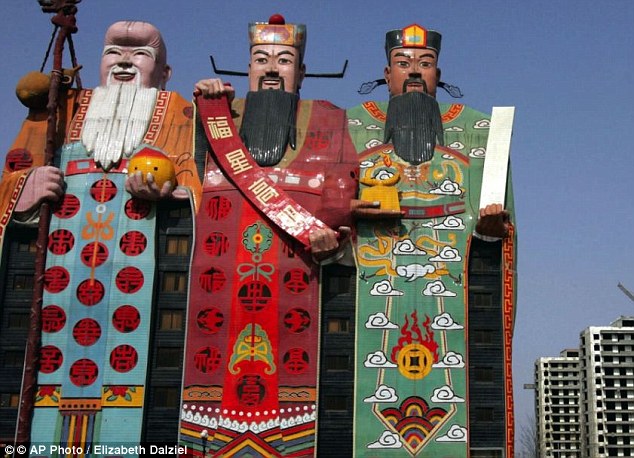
(268,125)
(414,126)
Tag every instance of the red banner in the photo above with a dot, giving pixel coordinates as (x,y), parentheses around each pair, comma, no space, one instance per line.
(248,177)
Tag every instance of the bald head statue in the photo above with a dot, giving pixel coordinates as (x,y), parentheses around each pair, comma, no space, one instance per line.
(134,53)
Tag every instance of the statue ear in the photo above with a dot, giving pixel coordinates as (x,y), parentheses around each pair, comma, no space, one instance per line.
(302,74)
(386,74)
(167,74)
(438,72)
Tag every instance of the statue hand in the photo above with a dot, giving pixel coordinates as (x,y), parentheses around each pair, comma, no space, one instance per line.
(43,183)
(493,221)
(325,243)
(371,210)
(214,88)
(147,189)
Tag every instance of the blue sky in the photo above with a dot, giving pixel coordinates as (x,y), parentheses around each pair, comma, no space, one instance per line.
(565,65)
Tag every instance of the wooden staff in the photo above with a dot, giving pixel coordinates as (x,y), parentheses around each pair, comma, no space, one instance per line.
(64,21)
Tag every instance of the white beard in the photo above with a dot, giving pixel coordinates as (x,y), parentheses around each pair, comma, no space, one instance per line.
(117,119)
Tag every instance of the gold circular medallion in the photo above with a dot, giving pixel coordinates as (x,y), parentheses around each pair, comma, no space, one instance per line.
(415,361)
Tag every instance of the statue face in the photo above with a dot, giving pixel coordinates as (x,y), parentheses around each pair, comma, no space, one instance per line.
(134,53)
(275,67)
(412,69)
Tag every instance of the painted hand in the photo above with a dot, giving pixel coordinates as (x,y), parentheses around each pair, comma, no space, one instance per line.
(43,183)
(214,88)
(493,221)
(148,190)
(371,210)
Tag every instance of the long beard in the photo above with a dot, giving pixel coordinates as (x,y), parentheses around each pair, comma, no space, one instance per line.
(116,121)
(268,125)
(414,126)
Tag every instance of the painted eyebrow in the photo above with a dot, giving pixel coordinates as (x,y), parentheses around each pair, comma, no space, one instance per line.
(409,56)
(268,54)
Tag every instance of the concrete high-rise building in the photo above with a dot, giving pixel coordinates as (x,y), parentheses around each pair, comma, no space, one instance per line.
(607,389)
(585,398)
(557,407)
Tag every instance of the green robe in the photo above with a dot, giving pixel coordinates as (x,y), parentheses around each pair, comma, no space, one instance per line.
(411,379)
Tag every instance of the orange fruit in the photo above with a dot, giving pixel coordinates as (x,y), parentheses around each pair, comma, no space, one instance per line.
(153,161)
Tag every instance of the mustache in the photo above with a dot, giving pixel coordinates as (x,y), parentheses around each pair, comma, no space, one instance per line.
(119,69)
(415,79)
(272,76)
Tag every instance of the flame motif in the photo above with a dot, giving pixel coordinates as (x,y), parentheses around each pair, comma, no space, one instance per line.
(413,334)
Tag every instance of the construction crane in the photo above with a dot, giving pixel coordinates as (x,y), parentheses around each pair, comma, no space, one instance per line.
(626,291)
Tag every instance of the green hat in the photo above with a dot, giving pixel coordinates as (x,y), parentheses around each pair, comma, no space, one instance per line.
(412,36)
(278,32)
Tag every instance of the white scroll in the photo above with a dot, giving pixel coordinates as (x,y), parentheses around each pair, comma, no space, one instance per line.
(496,161)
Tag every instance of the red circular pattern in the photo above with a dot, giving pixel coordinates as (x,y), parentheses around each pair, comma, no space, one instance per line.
(67,207)
(137,209)
(83,372)
(296,281)
(295,361)
(216,244)
(18,159)
(126,318)
(61,241)
(129,280)
(51,359)
(94,254)
(210,320)
(123,358)
(103,190)
(53,318)
(86,332)
(212,280)
(56,279)
(207,359)
(218,208)
(90,292)
(297,320)
(255,296)
(133,243)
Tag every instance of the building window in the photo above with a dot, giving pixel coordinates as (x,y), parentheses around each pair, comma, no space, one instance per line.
(338,326)
(482,300)
(18,320)
(168,356)
(27,247)
(166,397)
(177,245)
(336,403)
(483,336)
(482,264)
(22,282)
(483,414)
(14,358)
(180,212)
(337,362)
(174,282)
(9,400)
(486,453)
(171,320)
(483,374)
(339,285)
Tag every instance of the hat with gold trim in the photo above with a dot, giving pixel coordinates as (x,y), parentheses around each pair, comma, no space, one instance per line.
(412,36)
(278,32)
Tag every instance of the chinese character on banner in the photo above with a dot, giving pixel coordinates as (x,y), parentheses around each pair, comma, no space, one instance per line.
(263,191)
(238,161)
(219,127)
